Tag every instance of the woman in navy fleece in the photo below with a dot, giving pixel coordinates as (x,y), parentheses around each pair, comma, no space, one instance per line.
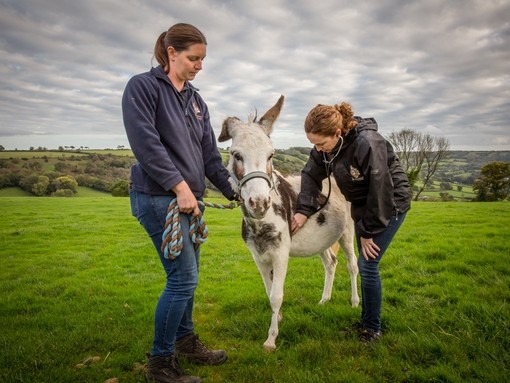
(168,127)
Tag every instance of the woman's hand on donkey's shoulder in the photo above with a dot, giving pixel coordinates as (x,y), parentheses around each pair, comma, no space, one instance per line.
(297,222)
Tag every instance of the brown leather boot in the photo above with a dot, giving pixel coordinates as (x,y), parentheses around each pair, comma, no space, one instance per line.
(166,369)
(191,348)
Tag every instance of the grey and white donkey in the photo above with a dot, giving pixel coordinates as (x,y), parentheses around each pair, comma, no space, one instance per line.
(268,204)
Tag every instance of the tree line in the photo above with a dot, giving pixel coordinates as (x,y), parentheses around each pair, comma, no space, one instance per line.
(421,156)
(61,176)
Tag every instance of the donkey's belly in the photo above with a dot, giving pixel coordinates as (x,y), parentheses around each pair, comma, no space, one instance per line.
(311,242)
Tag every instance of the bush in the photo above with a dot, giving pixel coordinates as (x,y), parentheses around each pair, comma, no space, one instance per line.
(63,193)
(7,180)
(37,185)
(120,189)
(493,184)
(64,183)
(41,186)
(445,196)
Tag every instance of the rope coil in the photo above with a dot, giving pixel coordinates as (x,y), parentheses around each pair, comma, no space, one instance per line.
(172,235)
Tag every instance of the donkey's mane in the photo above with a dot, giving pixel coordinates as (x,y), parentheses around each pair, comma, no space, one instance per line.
(252,117)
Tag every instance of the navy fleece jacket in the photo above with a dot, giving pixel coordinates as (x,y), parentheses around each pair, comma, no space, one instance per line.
(171,137)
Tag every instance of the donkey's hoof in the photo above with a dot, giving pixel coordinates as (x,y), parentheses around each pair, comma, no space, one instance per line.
(269,347)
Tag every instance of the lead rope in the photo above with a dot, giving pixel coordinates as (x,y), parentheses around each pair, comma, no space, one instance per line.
(172,235)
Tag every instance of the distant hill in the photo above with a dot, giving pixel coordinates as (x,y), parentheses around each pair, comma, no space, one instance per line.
(101,169)
(464,166)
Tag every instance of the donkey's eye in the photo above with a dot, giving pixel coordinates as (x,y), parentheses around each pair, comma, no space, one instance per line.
(237,156)
(270,157)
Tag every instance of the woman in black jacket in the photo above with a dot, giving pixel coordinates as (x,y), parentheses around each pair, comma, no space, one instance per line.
(369,175)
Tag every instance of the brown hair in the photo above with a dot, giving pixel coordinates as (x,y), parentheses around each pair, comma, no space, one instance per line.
(324,120)
(179,36)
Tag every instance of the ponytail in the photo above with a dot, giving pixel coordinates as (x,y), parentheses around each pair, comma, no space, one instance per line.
(160,52)
(348,121)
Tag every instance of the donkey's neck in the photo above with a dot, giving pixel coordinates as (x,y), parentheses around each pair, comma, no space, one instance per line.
(287,198)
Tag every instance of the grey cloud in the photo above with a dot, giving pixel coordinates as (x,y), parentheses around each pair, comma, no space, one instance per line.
(437,66)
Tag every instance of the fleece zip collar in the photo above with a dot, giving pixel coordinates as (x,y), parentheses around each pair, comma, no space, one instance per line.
(184,96)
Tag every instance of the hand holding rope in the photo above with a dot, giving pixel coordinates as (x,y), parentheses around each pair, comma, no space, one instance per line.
(172,235)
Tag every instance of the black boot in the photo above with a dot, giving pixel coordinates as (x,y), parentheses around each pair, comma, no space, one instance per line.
(166,369)
(191,348)
(369,335)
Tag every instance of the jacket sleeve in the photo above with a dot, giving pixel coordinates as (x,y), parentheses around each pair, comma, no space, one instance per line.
(215,171)
(312,176)
(139,104)
(373,160)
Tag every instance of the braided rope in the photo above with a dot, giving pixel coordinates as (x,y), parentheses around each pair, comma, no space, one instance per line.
(172,235)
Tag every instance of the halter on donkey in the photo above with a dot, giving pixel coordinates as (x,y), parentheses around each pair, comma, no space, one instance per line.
(268,204)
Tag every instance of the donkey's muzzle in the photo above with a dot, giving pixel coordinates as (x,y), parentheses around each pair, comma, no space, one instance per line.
(258,206)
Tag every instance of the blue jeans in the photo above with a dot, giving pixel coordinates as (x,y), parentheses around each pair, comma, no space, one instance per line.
(371,287)
(174,310)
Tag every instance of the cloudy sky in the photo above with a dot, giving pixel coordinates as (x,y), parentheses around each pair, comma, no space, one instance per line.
(440,67)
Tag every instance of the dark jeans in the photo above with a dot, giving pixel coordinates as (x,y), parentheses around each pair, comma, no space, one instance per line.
(371,286)
(174,310)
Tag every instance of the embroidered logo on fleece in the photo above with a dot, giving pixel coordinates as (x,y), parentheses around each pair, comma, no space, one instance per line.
(197,111)
(355,173)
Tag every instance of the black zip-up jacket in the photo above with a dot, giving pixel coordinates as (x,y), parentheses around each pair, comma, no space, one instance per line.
(367,172)
(171,137)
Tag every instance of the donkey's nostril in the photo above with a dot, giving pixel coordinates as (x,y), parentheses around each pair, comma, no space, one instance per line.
(260,205)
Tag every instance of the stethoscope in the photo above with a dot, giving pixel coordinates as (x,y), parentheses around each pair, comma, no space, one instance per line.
(327,164)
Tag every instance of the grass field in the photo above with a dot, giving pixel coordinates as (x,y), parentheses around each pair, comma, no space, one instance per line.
(79,280)
(82,192)
(31,154)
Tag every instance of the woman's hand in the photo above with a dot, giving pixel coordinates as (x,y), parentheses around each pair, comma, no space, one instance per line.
(297,222)
(186,200)
(369,248)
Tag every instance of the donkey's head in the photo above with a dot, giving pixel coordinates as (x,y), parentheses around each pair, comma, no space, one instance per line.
(250,162)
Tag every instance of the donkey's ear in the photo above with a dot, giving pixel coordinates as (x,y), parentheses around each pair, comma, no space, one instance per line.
(267,120)
(226,129)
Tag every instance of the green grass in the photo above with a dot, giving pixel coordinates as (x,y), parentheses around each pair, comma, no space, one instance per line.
(89,192)
(14,192)
(82,192)
(434,193)
(31,154)
(79,279)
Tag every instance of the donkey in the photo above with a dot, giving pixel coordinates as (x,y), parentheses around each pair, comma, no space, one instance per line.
(268,205)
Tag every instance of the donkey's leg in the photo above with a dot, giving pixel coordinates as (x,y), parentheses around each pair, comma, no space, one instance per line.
(347,243)
(280,263)
(329,262)
(266,272)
